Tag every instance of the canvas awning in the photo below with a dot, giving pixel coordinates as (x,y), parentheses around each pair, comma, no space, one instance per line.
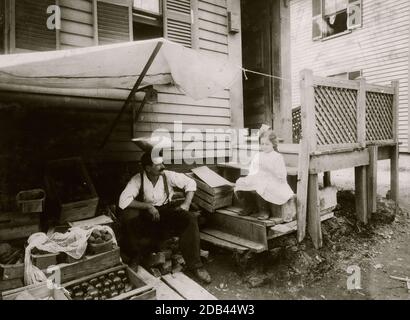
(118,66)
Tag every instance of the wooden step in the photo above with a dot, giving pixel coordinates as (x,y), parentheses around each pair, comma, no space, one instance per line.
(242,228)
(251,245)
(222,243)
(233,212)
(287,228)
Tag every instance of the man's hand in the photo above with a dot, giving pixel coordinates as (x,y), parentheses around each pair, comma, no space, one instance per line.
(184,206)
(154,213)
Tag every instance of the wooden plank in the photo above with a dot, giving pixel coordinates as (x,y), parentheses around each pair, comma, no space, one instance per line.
(238,227)
(379,89)
(90,265)
(77,5)
(186,287)
(336,83)
(163,291)
(78,40)
(253,246)
(76,16)
(9,271)
(77,28)
(361,194)
(394,174)
(222,243)
(314,222)
(361,113)
(233,212)
(18,232)
(11,284)
(372,180)
(331,162)
(210,177)
(287,228)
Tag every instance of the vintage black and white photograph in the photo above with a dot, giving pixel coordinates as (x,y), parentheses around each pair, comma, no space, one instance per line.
(204,150)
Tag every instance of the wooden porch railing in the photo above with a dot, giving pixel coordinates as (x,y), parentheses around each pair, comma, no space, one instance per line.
(337,118)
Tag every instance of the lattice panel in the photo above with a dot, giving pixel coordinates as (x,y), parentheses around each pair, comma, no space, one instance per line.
(379,116)
(296,125)
(336,116)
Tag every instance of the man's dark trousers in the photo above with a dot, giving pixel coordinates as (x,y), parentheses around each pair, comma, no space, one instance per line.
(140,235)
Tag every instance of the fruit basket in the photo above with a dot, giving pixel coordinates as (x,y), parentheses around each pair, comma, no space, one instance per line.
(119,283)
(100,241)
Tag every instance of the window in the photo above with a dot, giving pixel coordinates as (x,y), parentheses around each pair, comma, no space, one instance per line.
(152,6)
(148,21)
(332,17)
(353,75)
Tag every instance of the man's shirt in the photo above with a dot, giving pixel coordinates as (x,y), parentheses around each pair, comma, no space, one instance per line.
(155,195)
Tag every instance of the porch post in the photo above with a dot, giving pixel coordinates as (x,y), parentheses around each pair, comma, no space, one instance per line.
(285,72)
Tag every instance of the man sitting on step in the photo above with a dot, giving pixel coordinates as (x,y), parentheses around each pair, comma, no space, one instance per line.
(149,216)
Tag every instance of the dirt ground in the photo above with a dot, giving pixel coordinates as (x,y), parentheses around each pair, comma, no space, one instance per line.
(298,271)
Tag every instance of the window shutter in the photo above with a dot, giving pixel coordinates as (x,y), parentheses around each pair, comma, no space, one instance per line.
(30,28)
(354,14)
(178,21)
(317,19)
(114,21)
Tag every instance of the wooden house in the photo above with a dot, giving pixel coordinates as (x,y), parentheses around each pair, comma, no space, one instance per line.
(373,43)
(251,33)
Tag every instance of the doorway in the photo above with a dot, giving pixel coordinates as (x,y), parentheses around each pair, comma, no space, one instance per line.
(258,54)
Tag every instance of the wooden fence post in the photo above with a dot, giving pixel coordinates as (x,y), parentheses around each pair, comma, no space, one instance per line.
(372,181)
(361,193)
(307,144)
(394,161)
(314,222)
(361,113)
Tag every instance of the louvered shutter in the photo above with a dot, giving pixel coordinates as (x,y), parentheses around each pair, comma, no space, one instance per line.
(178,21)
(30,28)
(114,22)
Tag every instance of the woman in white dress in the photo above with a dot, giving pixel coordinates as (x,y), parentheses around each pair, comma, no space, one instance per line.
(267,179)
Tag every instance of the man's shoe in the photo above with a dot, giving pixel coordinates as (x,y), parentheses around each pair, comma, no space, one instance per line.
(202,275)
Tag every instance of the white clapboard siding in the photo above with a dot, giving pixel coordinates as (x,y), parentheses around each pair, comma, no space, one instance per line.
(77,24)
(380,48)
(31,32)
(213,26)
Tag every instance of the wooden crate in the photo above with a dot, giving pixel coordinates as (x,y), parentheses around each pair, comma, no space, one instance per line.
(17,225)
(38,291)
(58,175)
(210,198)
(142,290)
(90,264)
(43,261)
(11,284)
(11,271)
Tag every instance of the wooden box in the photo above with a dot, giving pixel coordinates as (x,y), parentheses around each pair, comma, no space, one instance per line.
(11,271)
(141,290)
(38,291)
(43,261)
(210,198)
(70,186)
(17,225)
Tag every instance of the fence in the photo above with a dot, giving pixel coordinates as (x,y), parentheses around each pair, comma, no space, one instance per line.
(341,113)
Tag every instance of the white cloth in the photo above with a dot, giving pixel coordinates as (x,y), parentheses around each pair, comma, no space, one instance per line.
(267,176)
(155,195)
(73,243)
(194,73)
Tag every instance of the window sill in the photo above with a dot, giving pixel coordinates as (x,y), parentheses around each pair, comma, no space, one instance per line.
(337,35)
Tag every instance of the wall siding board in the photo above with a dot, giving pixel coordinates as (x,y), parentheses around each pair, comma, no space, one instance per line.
(380,48)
